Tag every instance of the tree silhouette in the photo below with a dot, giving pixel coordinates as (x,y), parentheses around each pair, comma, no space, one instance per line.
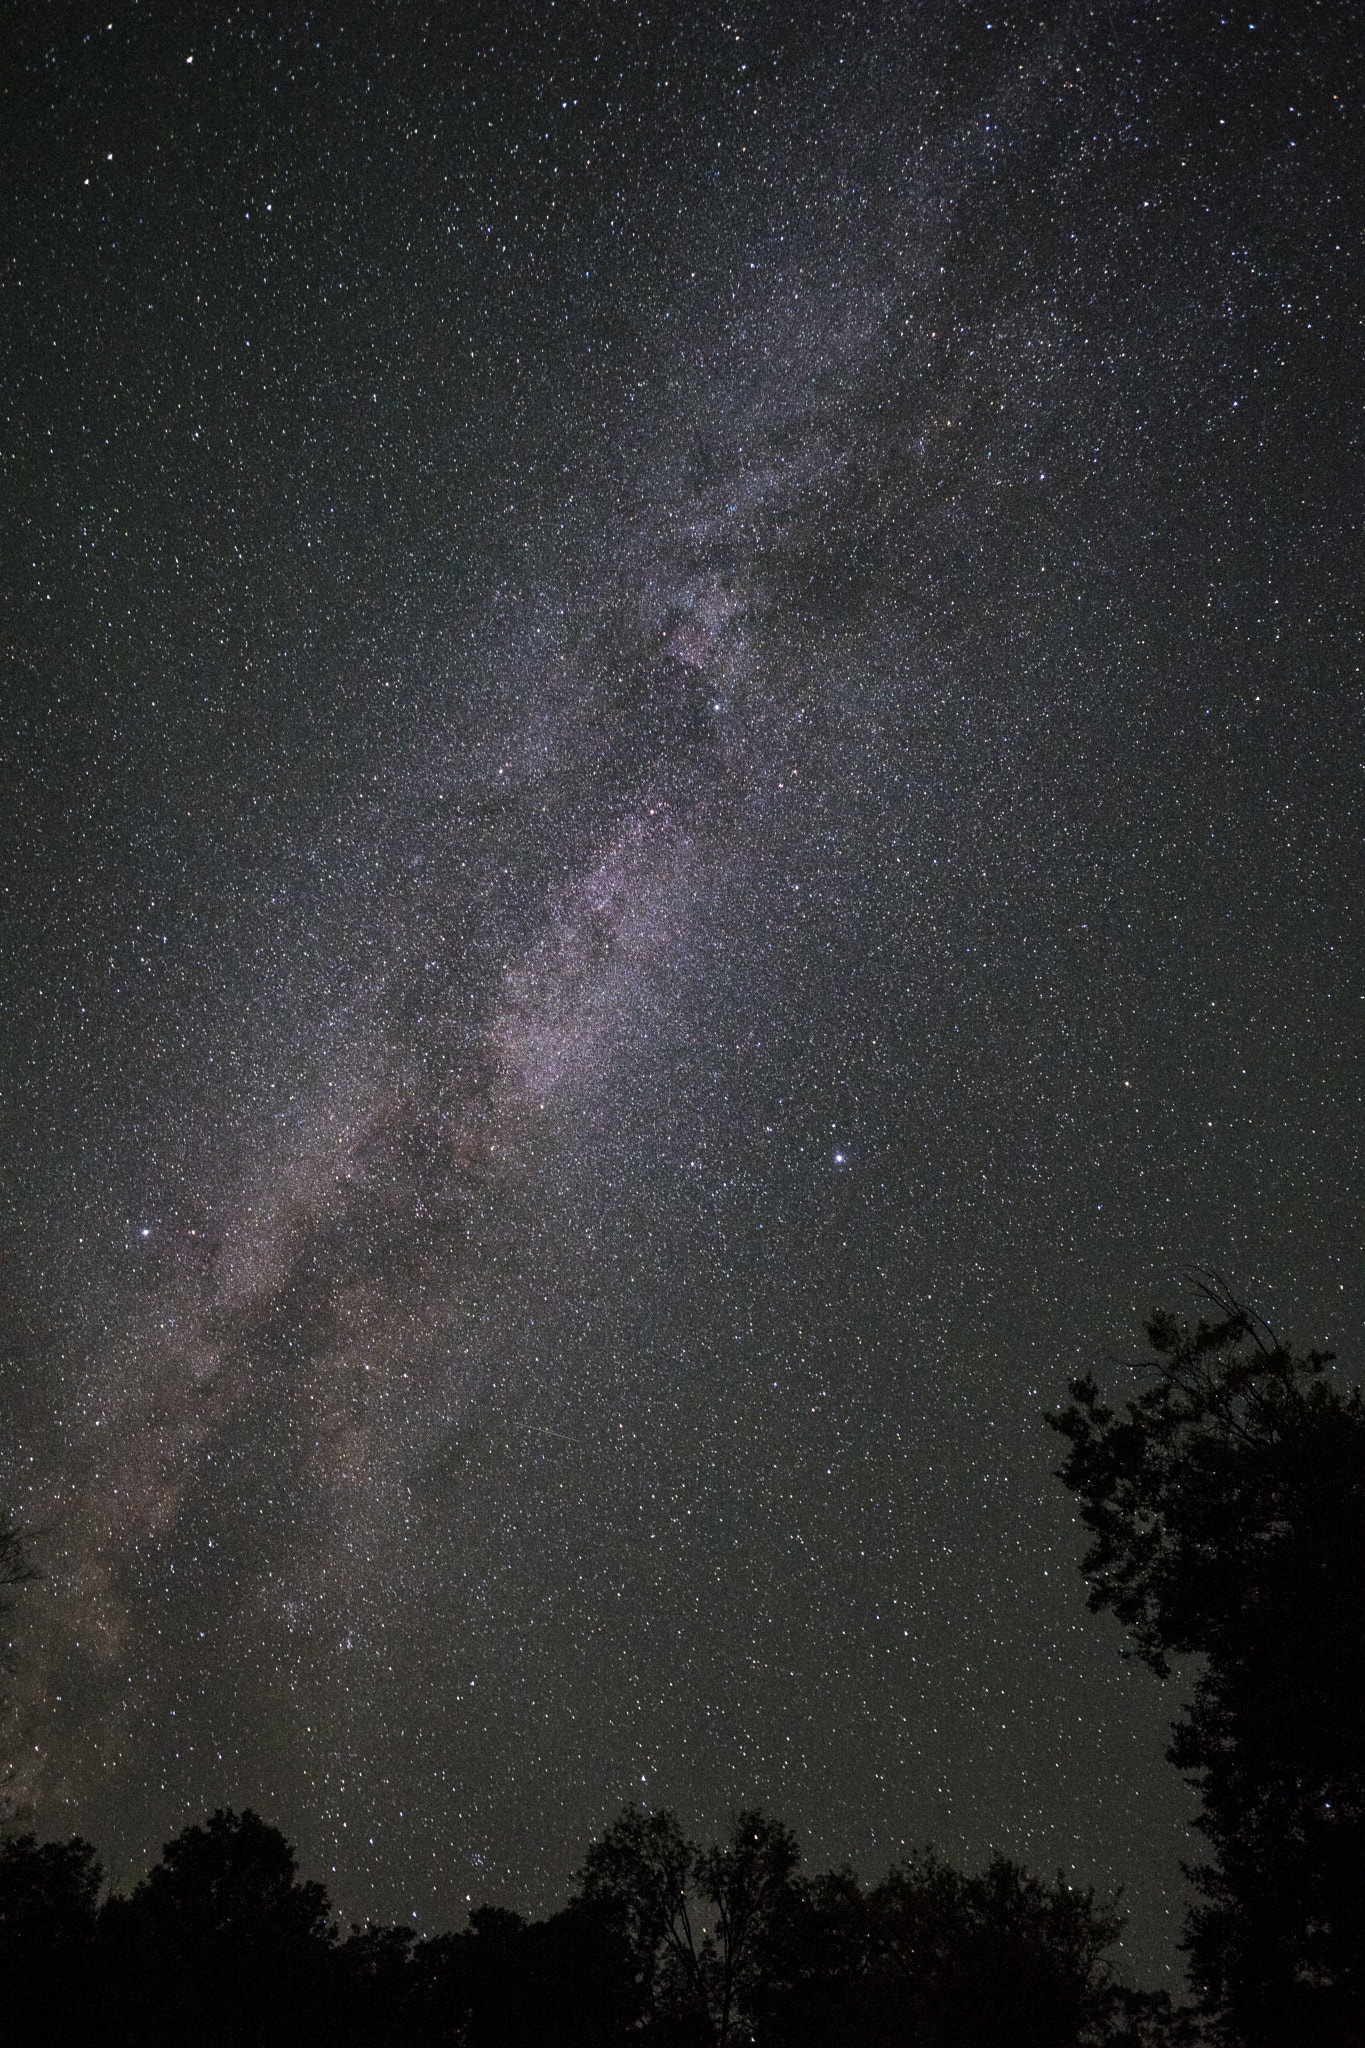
(220,1941)
(694,1921)
(48,1898)
(640,1876)
(670,1945)
(1226,1506)
(375,1992)
(748,1883)
(931,1958)
(1001,1958)
(506,1982)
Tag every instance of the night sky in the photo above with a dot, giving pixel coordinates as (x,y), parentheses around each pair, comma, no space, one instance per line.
(681,745)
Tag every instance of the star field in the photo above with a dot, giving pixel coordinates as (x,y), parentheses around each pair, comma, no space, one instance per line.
(682,749)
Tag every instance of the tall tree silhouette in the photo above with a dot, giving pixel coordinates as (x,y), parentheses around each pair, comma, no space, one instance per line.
(748,1883)
(640,1876)
(1226,1506)
(694,1920)
(221,1942)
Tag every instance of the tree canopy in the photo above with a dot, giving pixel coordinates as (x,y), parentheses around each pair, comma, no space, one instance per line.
(696,1920)
(223,1930)
(1226,1507)
(667,1944)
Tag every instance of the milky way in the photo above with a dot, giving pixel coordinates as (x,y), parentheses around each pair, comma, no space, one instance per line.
(681,811)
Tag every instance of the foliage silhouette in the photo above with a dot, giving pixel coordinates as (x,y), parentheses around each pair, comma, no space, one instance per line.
(1226,1507)
(942,1960)
(49,1897)
(693,1919)
(219,1942)
(668,1945)
(505,1982)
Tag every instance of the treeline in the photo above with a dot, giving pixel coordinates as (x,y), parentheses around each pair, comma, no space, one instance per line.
(664,1942)
(1225,1506)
